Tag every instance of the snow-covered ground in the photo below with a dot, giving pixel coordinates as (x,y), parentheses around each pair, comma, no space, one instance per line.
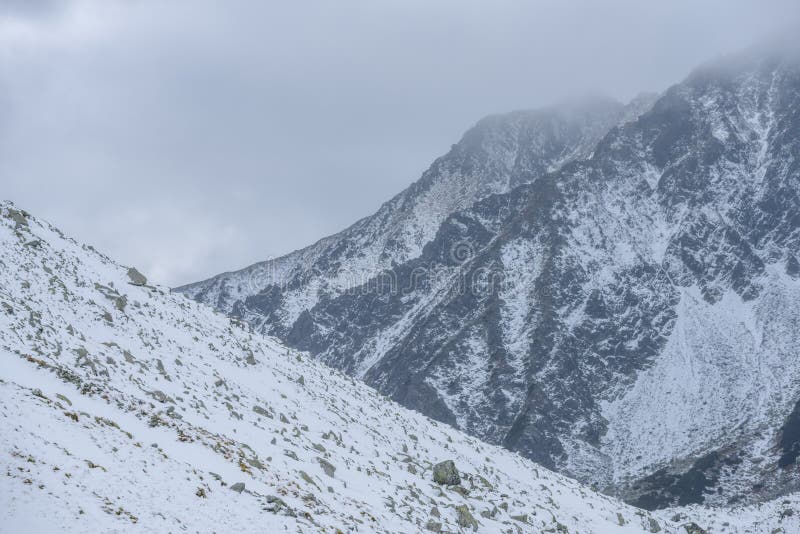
(128,408)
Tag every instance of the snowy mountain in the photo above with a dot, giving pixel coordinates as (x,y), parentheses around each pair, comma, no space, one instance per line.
(498,154)
(617,303)
(129,408)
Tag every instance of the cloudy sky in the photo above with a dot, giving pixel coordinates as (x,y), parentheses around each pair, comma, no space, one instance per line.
(190,137)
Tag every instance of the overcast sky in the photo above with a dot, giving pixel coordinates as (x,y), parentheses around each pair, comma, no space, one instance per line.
(191,137)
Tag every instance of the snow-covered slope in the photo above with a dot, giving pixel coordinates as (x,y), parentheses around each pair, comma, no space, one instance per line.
(125,407)
(628,316)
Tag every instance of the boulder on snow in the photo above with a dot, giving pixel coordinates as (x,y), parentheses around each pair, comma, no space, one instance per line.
(238,487)
(19,217)
(136,278)
(446,473)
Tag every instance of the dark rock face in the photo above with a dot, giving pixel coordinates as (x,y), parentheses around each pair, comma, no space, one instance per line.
(790,439)
(625,313)
(663,489)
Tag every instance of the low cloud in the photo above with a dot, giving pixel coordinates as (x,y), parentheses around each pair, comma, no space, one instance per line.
(193,137)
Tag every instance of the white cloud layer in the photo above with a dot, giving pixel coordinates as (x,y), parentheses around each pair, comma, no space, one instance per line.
(193,137)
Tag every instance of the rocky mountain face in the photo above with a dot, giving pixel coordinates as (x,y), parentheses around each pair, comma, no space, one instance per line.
(619,303)
(498,154)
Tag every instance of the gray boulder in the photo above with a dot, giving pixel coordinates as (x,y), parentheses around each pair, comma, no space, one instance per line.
(136,278)
(238,487)
(446,473)
(19,217)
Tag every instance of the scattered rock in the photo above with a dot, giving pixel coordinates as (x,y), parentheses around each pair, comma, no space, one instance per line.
(160,396)
(238,487)
(276,505)
(433,526)
(255,462)
(307,478)
(327,467)
(694,528)
(446,473)
(465,518)
(522,518)
(261,411)
(461,490)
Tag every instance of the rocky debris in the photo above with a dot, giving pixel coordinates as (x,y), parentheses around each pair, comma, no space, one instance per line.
(327,467)
(160,396)
(445,473)
(277,505)
(694,528)
(20,218)
(461,490)
(238,487)
(433,526)
(465,518)
(261,411)
(522,518)
(136,278)
(307,478)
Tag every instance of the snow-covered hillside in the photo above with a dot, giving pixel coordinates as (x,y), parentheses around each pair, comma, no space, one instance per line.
(128,408)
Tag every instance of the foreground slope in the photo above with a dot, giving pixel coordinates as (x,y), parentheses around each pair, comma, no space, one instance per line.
(126,407)
(630,318)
